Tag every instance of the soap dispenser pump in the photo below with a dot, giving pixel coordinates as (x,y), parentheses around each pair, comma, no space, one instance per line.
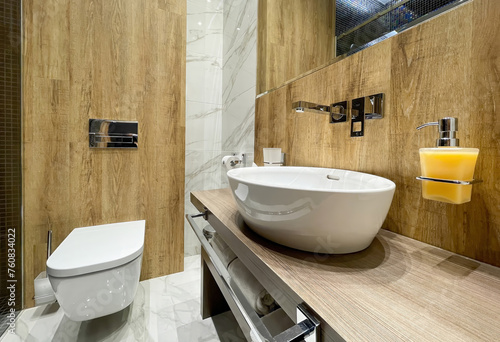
(448,128)
(447,170)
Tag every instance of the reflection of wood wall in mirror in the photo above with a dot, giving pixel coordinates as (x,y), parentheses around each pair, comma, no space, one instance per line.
(443,67)
(294,36)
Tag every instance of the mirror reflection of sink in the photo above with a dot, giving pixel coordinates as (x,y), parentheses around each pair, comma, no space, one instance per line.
(312,209)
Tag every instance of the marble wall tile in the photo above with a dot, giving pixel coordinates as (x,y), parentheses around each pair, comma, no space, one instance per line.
(203,104)
(203,78)
(221,76)
(238,123)
(197,6)
(239,16)
(237,79)
(239,75)
(204,27)
(240,38)
(203,126)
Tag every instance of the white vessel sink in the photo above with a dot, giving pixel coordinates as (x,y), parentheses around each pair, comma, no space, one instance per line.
(312,209)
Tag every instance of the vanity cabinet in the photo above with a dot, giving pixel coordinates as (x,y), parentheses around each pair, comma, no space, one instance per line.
(398,289)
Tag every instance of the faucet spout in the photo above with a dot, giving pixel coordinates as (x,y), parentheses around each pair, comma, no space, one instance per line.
(336,111)
(303,106)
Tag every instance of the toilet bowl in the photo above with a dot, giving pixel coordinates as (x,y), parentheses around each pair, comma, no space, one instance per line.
(95,271)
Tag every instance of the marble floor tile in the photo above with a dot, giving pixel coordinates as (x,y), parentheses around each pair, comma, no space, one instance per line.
(218,328)
(198,331)
(165,309)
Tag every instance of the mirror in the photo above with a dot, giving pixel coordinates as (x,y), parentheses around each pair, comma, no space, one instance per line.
(359,24)
(297,37)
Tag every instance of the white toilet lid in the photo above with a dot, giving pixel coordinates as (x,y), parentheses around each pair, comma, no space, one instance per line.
(97,248)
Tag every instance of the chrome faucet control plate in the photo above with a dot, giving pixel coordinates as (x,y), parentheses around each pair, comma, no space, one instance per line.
(365,108)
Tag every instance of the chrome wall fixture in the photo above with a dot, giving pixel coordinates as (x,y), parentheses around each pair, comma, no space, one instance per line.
(113,134)
(339,112)
(365,108)
(361,109)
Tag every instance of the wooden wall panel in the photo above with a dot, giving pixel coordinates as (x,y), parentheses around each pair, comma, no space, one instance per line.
(113,60)
(294,36)
(446,66)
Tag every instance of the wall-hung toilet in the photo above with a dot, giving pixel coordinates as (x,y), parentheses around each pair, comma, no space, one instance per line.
(95,271)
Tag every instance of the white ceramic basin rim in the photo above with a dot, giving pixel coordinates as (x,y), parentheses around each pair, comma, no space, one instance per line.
(312,179)
(313,209)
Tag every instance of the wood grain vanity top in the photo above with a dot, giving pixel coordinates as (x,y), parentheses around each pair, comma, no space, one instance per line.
(397,289)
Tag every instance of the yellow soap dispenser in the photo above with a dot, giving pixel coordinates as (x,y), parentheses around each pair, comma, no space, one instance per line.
(447,170)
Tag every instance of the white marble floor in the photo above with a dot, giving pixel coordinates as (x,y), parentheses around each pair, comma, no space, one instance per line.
(165,309)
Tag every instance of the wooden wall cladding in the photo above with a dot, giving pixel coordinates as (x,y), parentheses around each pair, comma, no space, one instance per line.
(122,60)
(447,66)
(293,38)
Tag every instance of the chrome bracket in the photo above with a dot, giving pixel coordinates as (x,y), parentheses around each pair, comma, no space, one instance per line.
(204,214)
(450,181)
(306,328)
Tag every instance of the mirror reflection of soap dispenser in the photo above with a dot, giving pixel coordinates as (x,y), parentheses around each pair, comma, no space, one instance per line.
(447,169)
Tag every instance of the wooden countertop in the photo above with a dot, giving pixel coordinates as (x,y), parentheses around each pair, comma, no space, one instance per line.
(397,289)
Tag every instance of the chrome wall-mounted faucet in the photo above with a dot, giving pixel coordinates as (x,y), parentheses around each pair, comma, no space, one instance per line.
(363,108)
(336,111)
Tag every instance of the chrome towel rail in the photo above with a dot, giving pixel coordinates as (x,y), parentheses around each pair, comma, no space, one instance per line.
(307,328)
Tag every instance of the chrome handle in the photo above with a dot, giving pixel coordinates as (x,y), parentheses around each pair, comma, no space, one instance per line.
(49,244)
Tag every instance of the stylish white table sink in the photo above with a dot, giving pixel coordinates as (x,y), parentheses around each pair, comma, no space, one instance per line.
(312,209)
